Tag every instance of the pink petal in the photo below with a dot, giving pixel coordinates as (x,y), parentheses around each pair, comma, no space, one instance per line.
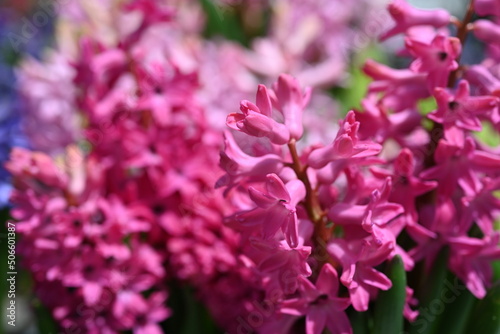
(328,281)
(276,187)
(315,321)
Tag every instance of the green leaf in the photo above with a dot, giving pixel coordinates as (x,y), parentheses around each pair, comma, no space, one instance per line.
(425,106)
(453,307)
(222,20)
(359,322)
(485,318)
(430,290)
(189,315)
(44,319)
(388,317)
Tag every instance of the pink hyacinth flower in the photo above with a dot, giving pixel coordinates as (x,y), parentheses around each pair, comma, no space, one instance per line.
(460,111)
(238,164)
(437,59)
(345,145)
(471,261)
(276,208)
(291,101)
(284,265)
(320,304)
(481,206)
(407,16)
(402,87)
(358,259)
(406,187)
(480,76)
(457,165)
(486,31)
(487,7)
(257,121)
(379,212)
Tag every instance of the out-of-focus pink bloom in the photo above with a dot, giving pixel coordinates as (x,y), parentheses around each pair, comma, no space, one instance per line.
(50,120)
(406,16)
(410,301)
(487,7)
(297,45)
(481,77)
(486,31)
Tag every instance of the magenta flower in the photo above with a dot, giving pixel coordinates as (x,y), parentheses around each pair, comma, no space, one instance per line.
(276,208)
(88,272)
(238,164)
(379,212)
(488,83)
(257,121)
(471,260)
(486,31)
(358,258)
(406,186)
(291,101)
(345,146)
(460,111)
(481,205)
(406,16)
(487,7)
(283,266)
(141,314)
(437,59)
(371,217)
(410,301)
(320,304)
(402,87)
(458,165)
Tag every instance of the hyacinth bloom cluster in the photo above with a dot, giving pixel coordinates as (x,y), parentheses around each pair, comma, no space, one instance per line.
(295,225)
(107,221)
(117,198)
(328,216)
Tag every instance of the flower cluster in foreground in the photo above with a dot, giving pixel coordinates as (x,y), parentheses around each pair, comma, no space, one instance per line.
(116,200)
(330,215)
